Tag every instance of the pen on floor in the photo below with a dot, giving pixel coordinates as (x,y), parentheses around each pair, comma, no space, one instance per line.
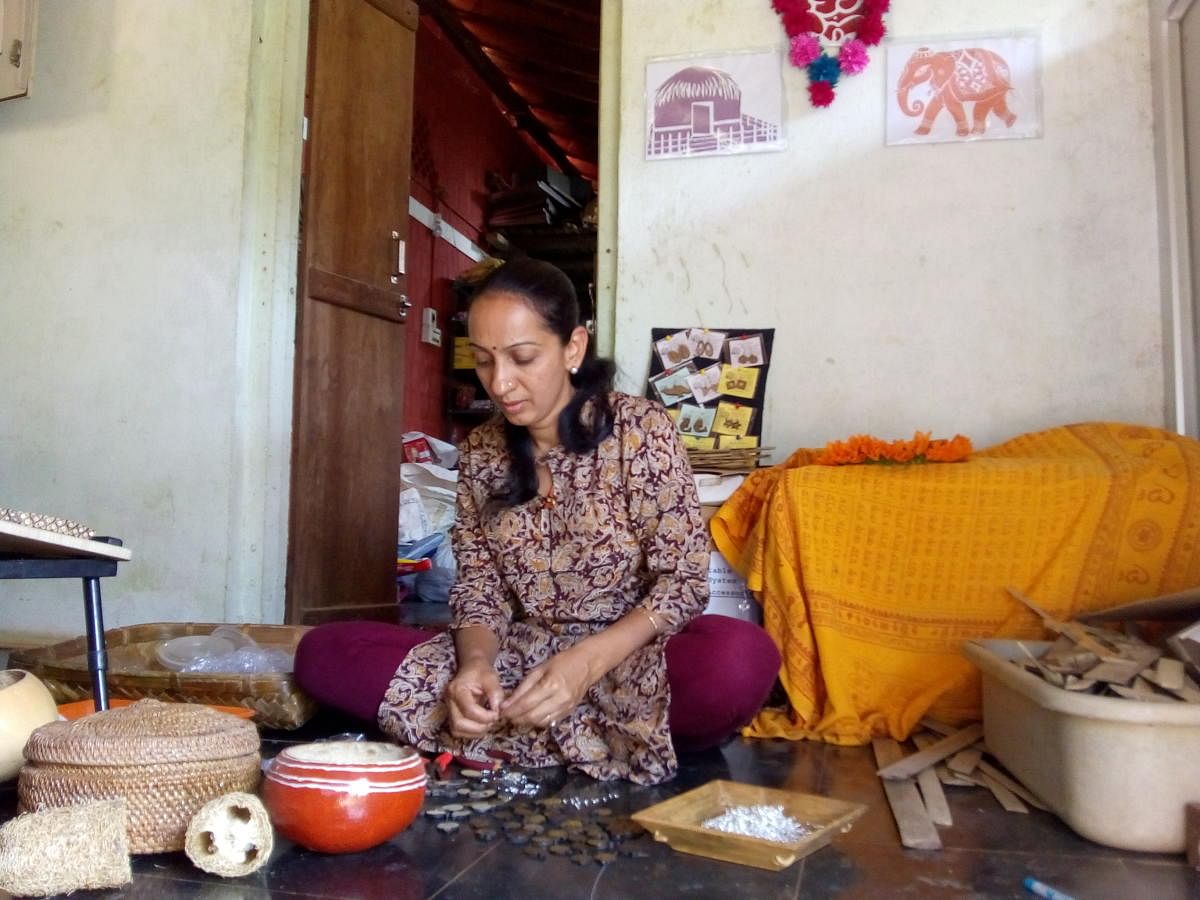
(1038,889)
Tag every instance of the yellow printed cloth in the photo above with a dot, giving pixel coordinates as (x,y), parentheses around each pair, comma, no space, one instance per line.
(872,576)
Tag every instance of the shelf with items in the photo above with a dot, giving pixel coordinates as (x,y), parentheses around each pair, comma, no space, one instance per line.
(467,403)
(571,247)
(549,216)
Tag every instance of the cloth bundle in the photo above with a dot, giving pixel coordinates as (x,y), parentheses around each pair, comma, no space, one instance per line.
(871,576)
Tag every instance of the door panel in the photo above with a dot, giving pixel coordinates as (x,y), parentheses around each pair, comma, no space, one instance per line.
(350,336)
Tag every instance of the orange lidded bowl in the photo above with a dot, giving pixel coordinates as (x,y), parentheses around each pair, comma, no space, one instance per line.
(344,796)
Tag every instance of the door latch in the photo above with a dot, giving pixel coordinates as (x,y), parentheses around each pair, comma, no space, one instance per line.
(400,264)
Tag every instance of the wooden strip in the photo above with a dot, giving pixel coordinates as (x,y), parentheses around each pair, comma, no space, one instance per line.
(1012,784)
(1189,692)
(21,540)
(951,779)
(912,819)
(938,727)
(1123,669)
(1007,798)
(1145,695)
(1169,606)
(945,776)
(935,798)
(1168,673)
(355,296)
(1073,630)
(923,759)
(964,763)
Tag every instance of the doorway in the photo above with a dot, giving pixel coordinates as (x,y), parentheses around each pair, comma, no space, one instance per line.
(530,66)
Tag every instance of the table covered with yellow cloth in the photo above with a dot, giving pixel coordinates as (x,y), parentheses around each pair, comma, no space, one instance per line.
(872,576)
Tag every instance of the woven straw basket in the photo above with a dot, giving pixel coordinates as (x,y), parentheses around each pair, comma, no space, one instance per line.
(166,759)
(134,673)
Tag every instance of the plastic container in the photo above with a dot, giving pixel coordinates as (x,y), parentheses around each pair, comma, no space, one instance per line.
(179,653)
(1117,771)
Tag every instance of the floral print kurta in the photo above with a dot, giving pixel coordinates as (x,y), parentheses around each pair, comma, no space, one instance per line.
(623,529)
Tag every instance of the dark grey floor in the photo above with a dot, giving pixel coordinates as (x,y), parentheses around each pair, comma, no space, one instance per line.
(987,853)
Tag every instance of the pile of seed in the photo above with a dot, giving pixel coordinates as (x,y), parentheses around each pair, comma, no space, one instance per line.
(767,822)
(544,827)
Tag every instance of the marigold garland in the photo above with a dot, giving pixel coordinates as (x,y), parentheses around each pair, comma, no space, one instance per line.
(806,51)
(864,448)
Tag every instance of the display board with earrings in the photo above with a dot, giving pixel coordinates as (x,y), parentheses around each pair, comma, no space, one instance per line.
(713,383)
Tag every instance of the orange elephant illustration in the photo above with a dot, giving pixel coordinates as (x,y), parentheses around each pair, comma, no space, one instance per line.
(957,77)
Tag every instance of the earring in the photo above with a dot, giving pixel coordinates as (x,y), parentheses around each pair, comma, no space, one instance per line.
(574,370)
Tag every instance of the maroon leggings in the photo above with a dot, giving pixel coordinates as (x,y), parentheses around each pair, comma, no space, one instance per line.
(720,670)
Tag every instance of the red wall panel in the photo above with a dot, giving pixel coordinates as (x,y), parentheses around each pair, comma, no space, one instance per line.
(459,134)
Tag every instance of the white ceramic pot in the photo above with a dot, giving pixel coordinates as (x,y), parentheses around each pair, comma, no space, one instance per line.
(25,704)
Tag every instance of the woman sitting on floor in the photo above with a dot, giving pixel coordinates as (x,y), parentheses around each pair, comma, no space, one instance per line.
(582,572)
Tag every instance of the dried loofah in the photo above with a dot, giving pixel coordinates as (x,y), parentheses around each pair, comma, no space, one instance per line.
(64,849)
(230,836)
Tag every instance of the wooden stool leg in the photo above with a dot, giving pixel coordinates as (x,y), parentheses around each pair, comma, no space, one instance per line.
(97,653)
(1191,814)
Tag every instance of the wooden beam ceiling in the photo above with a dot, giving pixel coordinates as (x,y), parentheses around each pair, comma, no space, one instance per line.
(541,59)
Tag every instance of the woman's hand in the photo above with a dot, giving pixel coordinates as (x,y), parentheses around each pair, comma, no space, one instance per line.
(550,691)
(473,699)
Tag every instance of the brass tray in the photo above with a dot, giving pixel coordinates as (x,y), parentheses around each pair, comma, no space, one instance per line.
(676,822)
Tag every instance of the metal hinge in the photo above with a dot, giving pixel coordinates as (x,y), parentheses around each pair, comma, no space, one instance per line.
(14,55)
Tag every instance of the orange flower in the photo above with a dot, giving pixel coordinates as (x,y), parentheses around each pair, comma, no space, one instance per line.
(863,448)
(954,450)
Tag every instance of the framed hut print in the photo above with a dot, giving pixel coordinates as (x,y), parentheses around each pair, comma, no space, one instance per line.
(714,104)
(969,89)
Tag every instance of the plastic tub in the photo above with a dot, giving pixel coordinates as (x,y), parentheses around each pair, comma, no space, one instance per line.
(1116,771)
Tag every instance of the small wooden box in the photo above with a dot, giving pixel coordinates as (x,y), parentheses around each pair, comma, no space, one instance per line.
(676,822)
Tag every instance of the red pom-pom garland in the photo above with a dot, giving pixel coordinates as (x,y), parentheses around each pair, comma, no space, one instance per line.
(871,30)
(804,29)
(820,93)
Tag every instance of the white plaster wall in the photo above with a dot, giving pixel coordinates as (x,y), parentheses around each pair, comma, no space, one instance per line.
(120,220)
(987,288)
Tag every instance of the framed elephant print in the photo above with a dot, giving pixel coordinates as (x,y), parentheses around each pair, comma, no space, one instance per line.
(966,89)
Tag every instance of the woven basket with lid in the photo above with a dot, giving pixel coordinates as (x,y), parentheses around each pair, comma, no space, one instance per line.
(166,759)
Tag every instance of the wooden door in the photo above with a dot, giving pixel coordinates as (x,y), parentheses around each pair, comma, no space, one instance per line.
(346,452)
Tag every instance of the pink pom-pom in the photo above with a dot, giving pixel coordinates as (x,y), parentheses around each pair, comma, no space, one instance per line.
(820,93)
(805,48)
(871,30)
(854,57)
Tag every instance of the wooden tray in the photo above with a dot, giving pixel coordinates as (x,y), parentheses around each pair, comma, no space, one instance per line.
(134,673)
(676,822)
